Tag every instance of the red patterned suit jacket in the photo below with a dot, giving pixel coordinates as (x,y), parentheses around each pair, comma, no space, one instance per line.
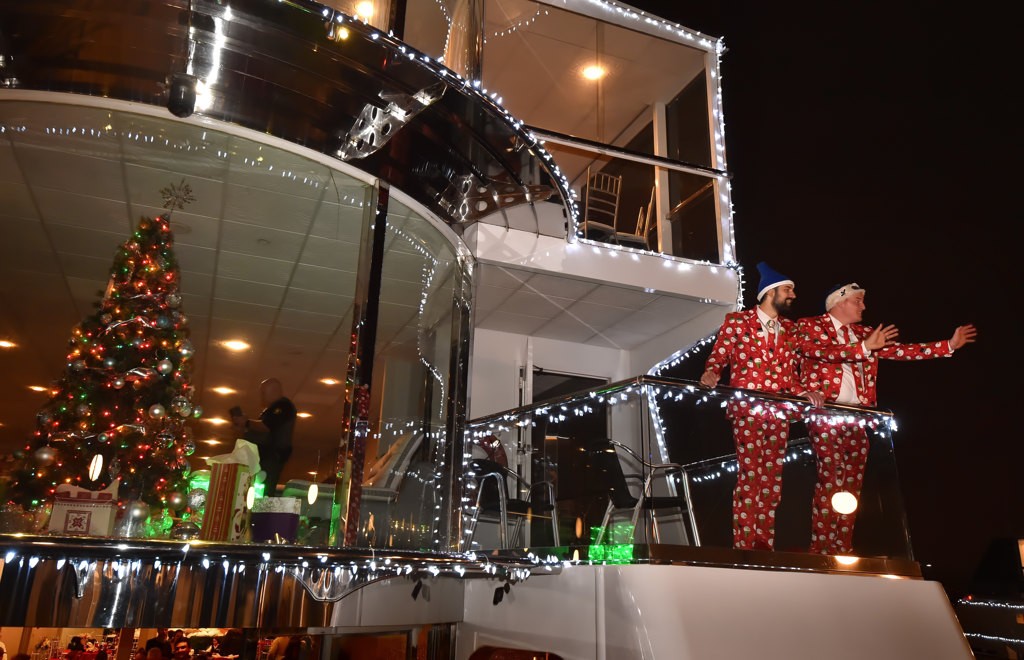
(821,371)
(742,347)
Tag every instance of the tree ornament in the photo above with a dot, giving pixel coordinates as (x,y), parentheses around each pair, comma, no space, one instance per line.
(176,501)
(185,467)
(137,511)
(163,322)
(197,412)
(165,366)
(186,349)
(77,365)
(165,438)
(118,383)
(82,409)
(109,362)
(105,319)
(189,447)
(114,468)
(44,417)
(197,499)
(45,456)
(103,437)
(156,411)
(173,300)
(184,530)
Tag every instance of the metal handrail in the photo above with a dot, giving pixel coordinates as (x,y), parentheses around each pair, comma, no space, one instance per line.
(637,381)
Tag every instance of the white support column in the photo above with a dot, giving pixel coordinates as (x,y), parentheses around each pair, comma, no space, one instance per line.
(662,203)
(723,189)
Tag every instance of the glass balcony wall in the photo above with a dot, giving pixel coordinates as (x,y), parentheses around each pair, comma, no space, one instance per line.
(671,441)
(272,257)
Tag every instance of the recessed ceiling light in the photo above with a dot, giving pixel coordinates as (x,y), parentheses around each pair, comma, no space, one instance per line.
(224,390)
(304,414)
(594,72)
(364,9)
(312,472)
(236,345)
(38,388)
(216,421)
(7,344)
(330,381)
(211,441)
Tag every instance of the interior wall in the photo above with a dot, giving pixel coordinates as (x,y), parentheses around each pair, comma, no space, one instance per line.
(498,357)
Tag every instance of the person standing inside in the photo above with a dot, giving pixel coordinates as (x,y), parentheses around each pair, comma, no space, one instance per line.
(271,433)
(759,347)
(841,446)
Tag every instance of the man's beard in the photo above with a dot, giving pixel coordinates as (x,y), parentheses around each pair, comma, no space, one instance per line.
(783,305)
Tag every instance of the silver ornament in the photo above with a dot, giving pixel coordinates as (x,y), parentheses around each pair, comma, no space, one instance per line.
(45,456)
(175,501)
(165,366)
(173,300)
(138,510)
(118,383)
(156,411)
(185,467)
(184,530)
(197,499)
(166,438)
(186,349)
(82,409)
(197,412)
(188,447)
(109,362)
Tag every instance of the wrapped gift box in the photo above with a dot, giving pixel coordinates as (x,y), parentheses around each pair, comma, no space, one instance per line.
(84,512)
(226,517)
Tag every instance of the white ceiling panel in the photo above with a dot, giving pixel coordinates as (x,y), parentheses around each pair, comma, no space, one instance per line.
(533,304)
(300,339)
(208,193)
(93,268)
(248,239)
(509,322)
(255,293)
(17,202)
(65,208)
(598,317)
(10,171)
(261,207)
(401,292)
(326,280)
(197,284)
(246,267)
(232,310)
(340,221)
(330,253)
(310,321)
(195,260)
(85,241)
(567,328)
(560,287)
(73,173)
(316,301)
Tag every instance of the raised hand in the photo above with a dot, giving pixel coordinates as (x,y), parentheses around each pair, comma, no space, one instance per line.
(963,335)
(709,378)
(881,337)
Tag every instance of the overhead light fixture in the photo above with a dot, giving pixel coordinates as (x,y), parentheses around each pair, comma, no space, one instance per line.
(224,390)
(330,381)
(7,344)
(236,345)
(211,441)
(304,415)
(364,10)
(594,72)
(312,472)
(38,388)
(216,421)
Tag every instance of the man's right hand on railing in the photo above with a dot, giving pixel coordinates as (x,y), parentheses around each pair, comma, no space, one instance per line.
(709,378)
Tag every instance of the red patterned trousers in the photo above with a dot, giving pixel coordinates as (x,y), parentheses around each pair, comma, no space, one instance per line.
(841,451)
(760,432)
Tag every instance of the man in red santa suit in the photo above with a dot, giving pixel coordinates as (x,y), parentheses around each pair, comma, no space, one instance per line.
(761,350)
(841,445)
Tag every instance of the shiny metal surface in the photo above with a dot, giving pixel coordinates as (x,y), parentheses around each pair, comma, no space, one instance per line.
(55,581)
(296,70)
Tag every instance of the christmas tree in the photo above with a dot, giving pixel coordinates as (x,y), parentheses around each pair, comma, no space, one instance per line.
(121,408)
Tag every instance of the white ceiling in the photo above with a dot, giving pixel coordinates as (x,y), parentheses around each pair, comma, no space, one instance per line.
(576,310)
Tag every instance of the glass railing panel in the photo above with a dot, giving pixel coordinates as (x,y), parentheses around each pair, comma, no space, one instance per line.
(675,439)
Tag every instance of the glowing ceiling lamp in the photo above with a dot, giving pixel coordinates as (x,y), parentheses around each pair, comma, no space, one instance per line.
(224,391)
(594,72)
(235,345)
(364,10)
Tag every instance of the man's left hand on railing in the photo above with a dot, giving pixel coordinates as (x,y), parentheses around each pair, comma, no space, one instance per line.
(816,398)
(709,378)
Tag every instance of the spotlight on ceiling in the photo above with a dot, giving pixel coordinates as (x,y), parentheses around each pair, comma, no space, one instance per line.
(304,415)
(364,10)
(236,345)
(594,72)
(7,344)
(216,421)
(224,391)
(330,381)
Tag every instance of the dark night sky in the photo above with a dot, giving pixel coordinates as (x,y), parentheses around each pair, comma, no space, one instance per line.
(866,144)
